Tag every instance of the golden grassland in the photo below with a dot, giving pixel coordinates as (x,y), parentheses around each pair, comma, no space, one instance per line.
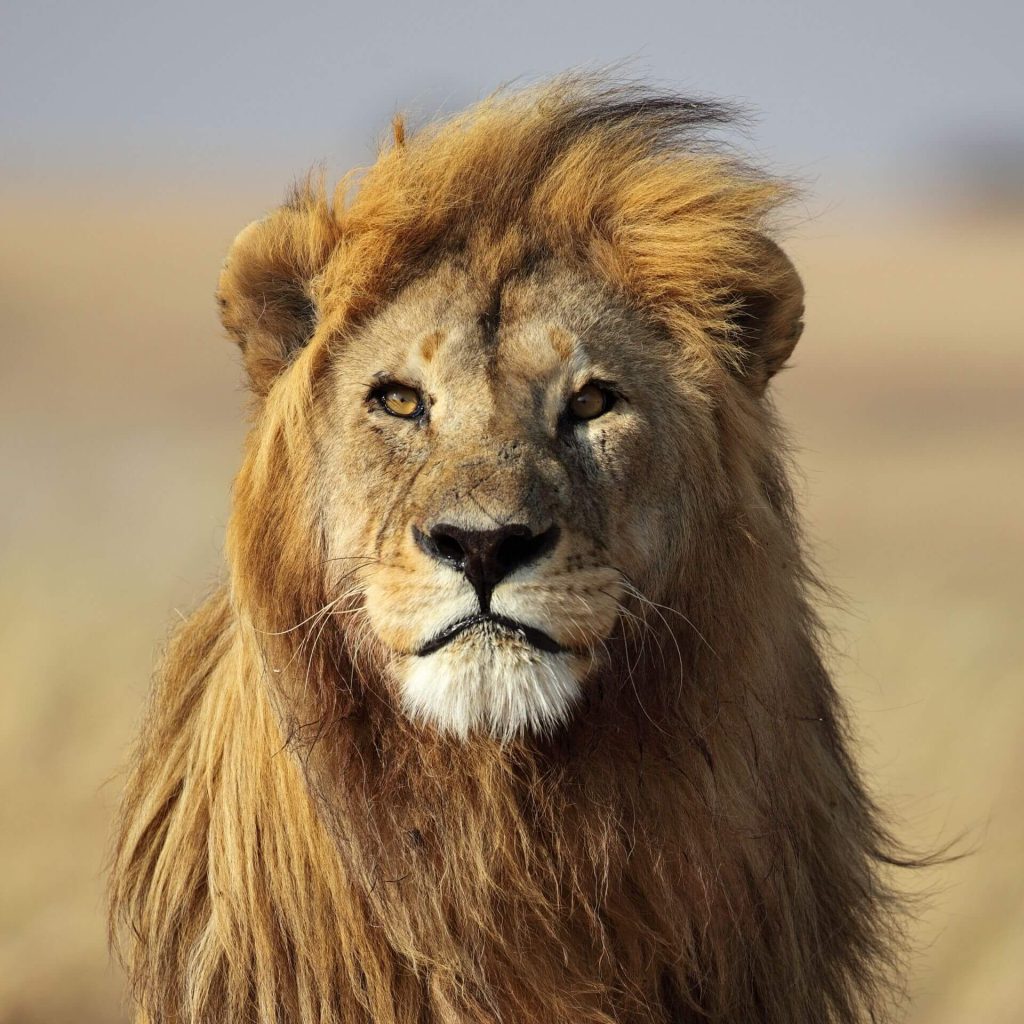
(122,416)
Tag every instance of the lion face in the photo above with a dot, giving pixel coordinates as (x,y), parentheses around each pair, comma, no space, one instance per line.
(503,461)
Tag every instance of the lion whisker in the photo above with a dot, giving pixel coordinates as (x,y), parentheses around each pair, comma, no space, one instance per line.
(650,602)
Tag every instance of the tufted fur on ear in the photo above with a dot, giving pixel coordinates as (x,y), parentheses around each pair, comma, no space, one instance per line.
(765,317)
(268,286)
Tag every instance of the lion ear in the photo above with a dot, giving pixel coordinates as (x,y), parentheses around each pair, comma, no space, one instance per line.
(266,289)
(766,318)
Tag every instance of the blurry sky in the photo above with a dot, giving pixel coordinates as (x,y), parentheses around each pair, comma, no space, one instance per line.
(852,94)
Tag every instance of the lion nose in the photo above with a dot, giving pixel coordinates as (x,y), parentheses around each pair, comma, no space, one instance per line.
(486,557)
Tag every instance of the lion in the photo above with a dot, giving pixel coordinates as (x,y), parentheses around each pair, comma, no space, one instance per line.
(513,704)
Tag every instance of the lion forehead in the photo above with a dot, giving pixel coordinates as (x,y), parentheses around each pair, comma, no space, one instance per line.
(461,329)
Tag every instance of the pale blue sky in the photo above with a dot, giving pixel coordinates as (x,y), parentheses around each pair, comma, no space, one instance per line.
(846,93)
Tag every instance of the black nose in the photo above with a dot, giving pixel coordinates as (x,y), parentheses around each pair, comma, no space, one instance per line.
(486,556)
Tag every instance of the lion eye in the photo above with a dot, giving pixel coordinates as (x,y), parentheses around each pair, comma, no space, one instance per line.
(590,401)
(400,400)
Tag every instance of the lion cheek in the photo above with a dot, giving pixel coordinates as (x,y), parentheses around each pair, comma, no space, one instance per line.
(405,617)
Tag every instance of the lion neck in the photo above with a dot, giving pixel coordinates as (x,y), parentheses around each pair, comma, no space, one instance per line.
(561,878)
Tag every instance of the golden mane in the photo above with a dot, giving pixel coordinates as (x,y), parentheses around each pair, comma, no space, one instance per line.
(696,846)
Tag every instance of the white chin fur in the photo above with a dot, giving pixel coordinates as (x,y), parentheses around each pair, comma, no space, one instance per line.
(477,684)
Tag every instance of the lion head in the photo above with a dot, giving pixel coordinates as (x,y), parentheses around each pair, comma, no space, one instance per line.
(516,588)
(506,358)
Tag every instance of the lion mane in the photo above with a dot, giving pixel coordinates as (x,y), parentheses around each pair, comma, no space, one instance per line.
(695,844)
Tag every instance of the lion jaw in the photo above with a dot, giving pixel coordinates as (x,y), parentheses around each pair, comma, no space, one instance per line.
(487,681)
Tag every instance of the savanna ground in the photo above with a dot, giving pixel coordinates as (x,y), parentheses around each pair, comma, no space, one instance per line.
(121,411)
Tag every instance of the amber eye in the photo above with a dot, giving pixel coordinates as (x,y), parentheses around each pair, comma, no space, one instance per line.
(590,401)
(400,400)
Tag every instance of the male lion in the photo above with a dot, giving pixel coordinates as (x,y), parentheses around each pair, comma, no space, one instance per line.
(512,707)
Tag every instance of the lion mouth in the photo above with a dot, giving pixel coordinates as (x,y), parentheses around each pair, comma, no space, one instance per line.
(533,636)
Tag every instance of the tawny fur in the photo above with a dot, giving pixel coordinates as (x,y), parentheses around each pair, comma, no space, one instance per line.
(695,844)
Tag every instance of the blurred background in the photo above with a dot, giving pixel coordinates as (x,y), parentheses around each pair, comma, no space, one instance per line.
(138,138)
